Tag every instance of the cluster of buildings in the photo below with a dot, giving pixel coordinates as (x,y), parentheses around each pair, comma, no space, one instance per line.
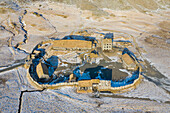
(108,44)
(93,85)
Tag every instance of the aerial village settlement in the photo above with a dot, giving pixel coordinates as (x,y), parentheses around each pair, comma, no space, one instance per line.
(74,61)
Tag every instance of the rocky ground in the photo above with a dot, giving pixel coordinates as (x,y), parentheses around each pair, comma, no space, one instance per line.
(24,25)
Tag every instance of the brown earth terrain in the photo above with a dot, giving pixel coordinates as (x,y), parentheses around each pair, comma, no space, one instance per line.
(24,24)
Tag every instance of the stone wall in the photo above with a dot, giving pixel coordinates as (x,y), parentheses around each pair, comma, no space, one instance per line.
(75,84)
